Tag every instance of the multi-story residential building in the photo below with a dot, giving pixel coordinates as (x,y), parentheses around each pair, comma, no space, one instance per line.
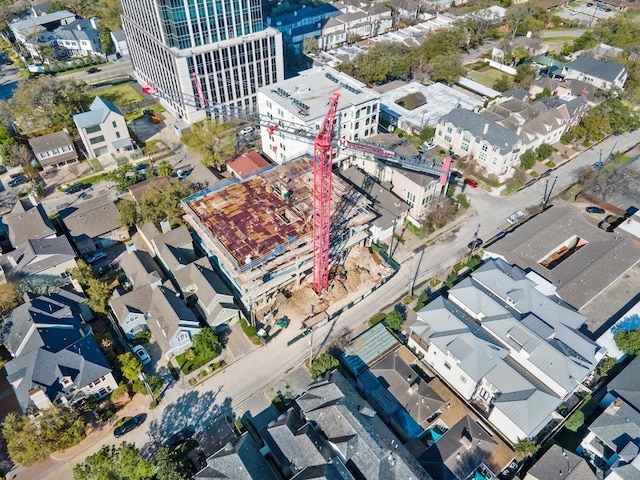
(103,129)
(302,100)
(56,359)
(601,74)
(468,134)
(508,345)
(54,149)
(189,49)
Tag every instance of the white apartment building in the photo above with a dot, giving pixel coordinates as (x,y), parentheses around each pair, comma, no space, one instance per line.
(304,101)
(103,129)
(190,51)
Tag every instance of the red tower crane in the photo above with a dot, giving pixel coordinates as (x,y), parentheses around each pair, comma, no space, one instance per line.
(322,163)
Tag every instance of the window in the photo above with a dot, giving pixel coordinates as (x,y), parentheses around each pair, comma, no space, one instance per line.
(65,274)
(465,147)
(447,365)
(447,138)
(94,129)
(95,140)
(463,379)
(483,156)
(449,129)
(117,134)
(485,147)
(114,124)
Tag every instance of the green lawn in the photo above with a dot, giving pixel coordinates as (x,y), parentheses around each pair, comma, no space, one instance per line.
(487,77)
(120,95)
(188,366)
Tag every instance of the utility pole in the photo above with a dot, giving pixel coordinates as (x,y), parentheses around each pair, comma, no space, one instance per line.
(475,239)
(310,348)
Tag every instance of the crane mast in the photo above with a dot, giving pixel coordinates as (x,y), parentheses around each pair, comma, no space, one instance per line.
(322,163)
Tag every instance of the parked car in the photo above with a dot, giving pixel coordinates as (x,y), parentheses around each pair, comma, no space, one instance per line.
(475,244)
(246,130)
(183,173)
(180,437)
(76,187)
(595,210)
(597,166)
(93,70)
(142,354)
(17,181)
(470,182)
(500,235)
(127,426)
(141,166)
(514,217)
(3,169)
(96,256)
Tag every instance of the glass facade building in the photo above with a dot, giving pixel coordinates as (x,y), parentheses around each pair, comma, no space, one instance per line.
(223,42)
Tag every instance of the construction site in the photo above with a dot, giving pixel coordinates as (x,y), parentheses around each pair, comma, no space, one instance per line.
(259,234)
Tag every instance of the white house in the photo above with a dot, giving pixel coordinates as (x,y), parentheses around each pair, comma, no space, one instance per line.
(596,72)
(103,129)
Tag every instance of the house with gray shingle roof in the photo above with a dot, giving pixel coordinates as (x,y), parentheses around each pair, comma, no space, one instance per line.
(93,224)
(459,452)
(40,260)
(560,463)
(601,74)
(361,440)
(103,129)
(625,385)
(614,440)
(56,359)
(238,460)
(54,149)
(79,38)
(491,146)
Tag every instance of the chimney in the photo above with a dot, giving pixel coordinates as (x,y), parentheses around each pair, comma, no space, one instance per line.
(94,22)
(486,128)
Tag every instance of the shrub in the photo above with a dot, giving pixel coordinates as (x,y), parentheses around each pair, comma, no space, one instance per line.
(544,151)
(377,318)
(528,159)
(395,320)
(323,363)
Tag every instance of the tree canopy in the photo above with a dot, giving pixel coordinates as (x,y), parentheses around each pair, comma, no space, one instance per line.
(206,341)
(130,365)
(395,320)
(115,463)
(162,202)
(42,102)
(172,465)
(323,363)
(628,341)
(214,141)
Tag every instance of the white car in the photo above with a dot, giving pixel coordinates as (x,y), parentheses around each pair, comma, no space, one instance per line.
(514,217)
(246,130)
(142,354)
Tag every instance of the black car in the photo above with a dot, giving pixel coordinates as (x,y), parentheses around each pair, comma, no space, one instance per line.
(3,169)
(141,166)
(76,187)
(476,243)
(93,70)
(127,426)
(17,181)
(501,234)
(595,210)
(180,437)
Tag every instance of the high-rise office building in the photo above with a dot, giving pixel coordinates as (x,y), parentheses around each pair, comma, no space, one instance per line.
(224,42)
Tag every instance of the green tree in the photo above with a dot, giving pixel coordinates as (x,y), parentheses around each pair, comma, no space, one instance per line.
(206,341)
(526,448)
(520,53)
(575,421)
(172,465)
(503,83)
(446,69)
(162,202)
(628,341)
(83,273)
(544,151)
(427,133)
(105,39)
(214,141)
(528,159)
(544,93)
(120,176)
(130,365)
(323,363)
(423,299)
(98,294)
(525,75)
(128,212)
(164,168)
(109,12)
(606,365)
(61,428)
(115,463)
(24,444)
(451,279)
(394,321)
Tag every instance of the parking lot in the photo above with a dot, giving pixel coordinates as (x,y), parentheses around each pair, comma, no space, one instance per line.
(585,13)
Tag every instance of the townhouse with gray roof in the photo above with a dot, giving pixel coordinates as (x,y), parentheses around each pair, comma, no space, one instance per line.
(54,149)
(38,259)
(152,306)
(601,74)
(93,224)
(579,260)
(103,129)
(459,452)
(491,146)
(357,436)
(507,344)
(560,463)
(56,359)
(237,460)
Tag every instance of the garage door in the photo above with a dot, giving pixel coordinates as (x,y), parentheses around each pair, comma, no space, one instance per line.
(101,151)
